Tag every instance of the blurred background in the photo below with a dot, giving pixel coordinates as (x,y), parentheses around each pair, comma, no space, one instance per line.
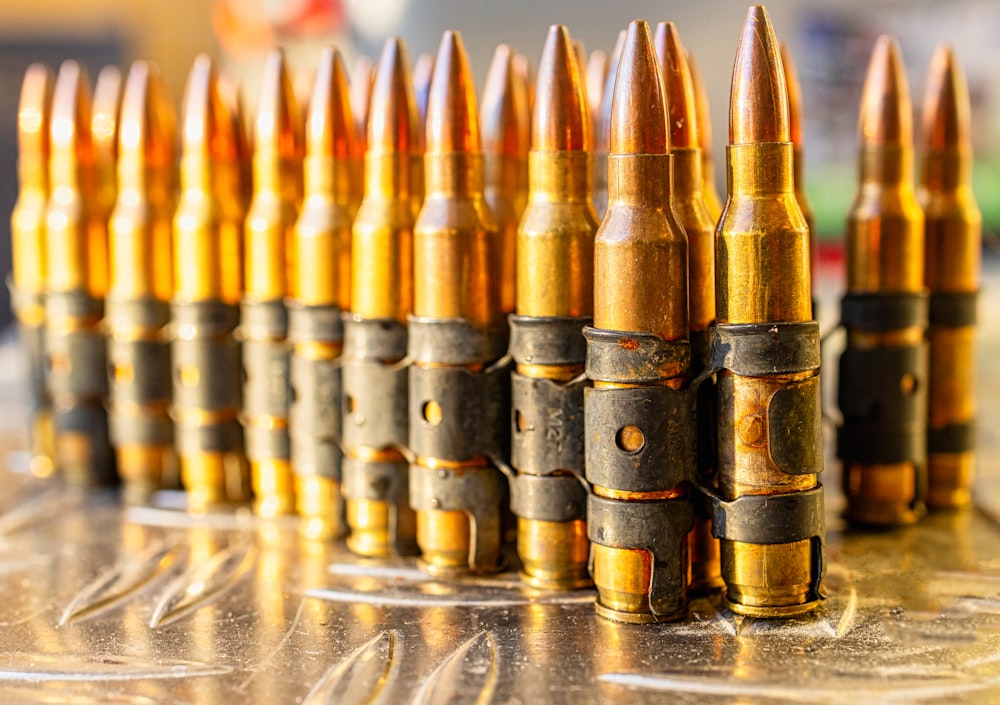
(830,40)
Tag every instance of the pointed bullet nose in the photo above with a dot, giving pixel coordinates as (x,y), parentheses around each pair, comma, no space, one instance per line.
(362,76)
(148,125)
(885,99)
(278,125)
(33,113)
(330,128)
(794,95)
(394,125)
(946,112)
(677,86)
(452,117)
(560,121)
(758,106)
(209,127)
(603,135)
(106,110)
(423,70)
(638,109)
(504,107)
(70,136)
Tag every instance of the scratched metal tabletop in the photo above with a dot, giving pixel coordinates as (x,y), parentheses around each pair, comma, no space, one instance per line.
(105,604)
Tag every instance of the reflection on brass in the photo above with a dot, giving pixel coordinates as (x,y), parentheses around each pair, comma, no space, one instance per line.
(138,304)
(693,215)
(953,233)
(798,163)
(762,259)
(883,445)
(270,265)
(555,270)
(602,133)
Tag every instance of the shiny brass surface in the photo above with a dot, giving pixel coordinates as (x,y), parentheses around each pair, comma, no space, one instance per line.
(798,162)
(27,226)
(953,245)
(703,114)
(555,270)
(693,215)
(382,284)
(762,260)
(602,131)
(455,258)
(105,122)
(640,280)
(269,259)
(885,254)
(141,249)
(362,78)
(208,264)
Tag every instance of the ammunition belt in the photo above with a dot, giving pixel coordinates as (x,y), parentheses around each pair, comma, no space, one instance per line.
(266,363)
(547,423)
(877,312)
(82,375)
(379,481)
(954,438)
(315,409)
(203,340)
(91,422)
(949,309)
(33,339)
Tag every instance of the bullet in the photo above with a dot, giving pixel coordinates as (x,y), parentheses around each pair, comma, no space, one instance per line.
(798,162)
(953,243)
(692,214)
(505,132)
(319,285)
(603,131)
(104,124)
(76,267)
(270,266)
(882,389)
(208,288)
(27,226)
(522,68)
(362,77)
(138,306)
(595,78)
(423,69)
(376,472)
(638,356)
(555,299)
(703,113)
(457,393)
(770,513)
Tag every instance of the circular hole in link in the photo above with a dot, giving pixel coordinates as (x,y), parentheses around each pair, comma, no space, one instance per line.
(349,404)
(908,384)
(431,413)
(519,422)
(630,439)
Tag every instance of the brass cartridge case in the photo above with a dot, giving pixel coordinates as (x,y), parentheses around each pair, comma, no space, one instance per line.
(376,473)
(639,513)
(454,489)
(693,215)
(555,295)
(208,288)
(769,438)
(138,307)
(270,265)
(76,271)
(883,371)
(27,281)
(953,244)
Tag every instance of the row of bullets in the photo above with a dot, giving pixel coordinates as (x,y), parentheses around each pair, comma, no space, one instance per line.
(372,317)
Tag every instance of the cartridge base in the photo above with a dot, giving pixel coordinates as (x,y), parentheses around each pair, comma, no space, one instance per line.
(372,533)
(554,554)
(444,540)
(622,577)
(320,506)
(769,580)
(706,574)
(273,488)
(882,495)
(213,479)
(949,480)
(142,470)
(42,444)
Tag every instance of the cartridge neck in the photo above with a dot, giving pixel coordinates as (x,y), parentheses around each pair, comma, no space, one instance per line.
(391,174)
(688,184)
(32,174)
(745,175)
(502,173)
(639,179)
(279,176)
(454,173)
(946,170)
(562,177)
(889,164)
(325,175)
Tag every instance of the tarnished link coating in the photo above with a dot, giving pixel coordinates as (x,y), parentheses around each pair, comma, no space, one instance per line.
(548,425)
(267,389)
(89,421)
(633,358)
(954,438)
(660,527)
(883,397)
(33,341)
(953,309)
(548,497)
(141,429)
(453,341)
(666,419)
(474,491)
(549,340)
(765,349)
(375,391)
(876,312)
(375,480)
(78,369)
(313,324)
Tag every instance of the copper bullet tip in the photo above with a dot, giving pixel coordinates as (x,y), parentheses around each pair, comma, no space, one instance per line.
(452,118)
(278,126)
(604,123)
(702,108)
(638,108)
(560,119)
(794,95)
(946,114)
(330,128)
(758,105)
(423,70)
(148,125)
(106,110)
(394,125)
(504,102)
(70,119)
(885,99)
(33,113)
(362,76)
(678,88)
(596,75)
